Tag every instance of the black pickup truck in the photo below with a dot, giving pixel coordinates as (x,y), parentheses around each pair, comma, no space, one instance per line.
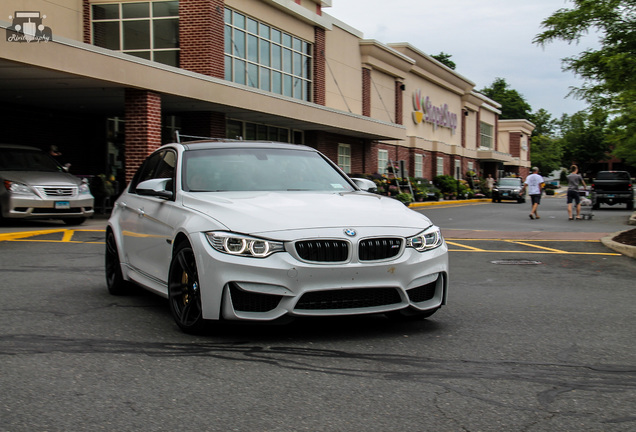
(613,187)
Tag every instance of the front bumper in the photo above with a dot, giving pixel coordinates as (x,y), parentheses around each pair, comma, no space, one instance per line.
(610,198)
(507,195)
(17,207)
(237,288)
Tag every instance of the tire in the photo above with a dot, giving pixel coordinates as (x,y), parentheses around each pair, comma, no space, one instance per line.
(184,294)
(74,221)
(115,281)
(596,206)
(630,205)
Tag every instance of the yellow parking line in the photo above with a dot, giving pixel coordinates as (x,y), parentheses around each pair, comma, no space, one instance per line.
(539,252)
(27,234)
(535,246)
(67,235)
(470,248)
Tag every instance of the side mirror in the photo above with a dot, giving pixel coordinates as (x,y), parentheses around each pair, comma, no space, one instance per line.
(160,188)
(365,185)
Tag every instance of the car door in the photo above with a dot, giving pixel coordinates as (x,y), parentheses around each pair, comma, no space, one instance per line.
(148,222)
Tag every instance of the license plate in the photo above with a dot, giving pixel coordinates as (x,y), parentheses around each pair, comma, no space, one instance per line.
(62,205)
(611,196)
(505,194)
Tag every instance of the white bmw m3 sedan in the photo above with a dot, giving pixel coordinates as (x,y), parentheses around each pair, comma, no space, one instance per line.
(258,231)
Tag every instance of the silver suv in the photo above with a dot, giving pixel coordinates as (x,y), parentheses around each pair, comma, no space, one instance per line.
(35,186)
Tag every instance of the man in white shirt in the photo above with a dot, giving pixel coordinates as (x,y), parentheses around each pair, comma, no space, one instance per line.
(533,184)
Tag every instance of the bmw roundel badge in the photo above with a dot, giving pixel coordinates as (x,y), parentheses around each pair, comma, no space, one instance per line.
(350,232)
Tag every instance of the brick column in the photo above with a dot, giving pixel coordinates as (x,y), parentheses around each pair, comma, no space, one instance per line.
(319,84)
(515,144)
(204,124)
(371,157)
(201,36)
(86,21)
(143,127)
(366,92)
(399,107)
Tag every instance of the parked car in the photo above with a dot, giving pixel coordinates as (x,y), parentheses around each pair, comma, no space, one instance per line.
(36,186)
(508,188)
(258,231)
(613,187)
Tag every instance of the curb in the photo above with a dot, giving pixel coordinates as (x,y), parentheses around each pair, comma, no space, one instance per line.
(621,248)
(434,203)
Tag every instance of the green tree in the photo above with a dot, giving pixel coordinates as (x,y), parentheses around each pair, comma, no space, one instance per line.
(608,72)
(583,137)
(544,124)
(622,136)
(513,104)
(445,59)
(546,153)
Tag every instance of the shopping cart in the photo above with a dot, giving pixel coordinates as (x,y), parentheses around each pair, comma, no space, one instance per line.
(587,204)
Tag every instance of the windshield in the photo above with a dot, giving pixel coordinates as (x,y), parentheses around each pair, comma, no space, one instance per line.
(27,160)
(510,182)
(260,169)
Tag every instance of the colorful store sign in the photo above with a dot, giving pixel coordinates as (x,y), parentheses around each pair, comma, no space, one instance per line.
(438,116)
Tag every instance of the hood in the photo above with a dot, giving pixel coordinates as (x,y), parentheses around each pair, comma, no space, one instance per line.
(41,178)
(267,212)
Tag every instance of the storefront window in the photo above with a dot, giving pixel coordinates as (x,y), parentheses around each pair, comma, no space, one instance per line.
(440,166)
(266,58)
(237,129)
(486,135)
(344,157)
(383,161)
(148,30)
(418,162)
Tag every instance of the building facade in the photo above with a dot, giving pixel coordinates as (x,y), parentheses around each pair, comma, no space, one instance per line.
(110,81)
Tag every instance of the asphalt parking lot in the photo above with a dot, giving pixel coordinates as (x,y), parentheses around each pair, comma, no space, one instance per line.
(537,335)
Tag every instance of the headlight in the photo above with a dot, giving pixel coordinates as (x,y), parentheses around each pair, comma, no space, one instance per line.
(18,188)
(426,240)
(84,189)
(236,244)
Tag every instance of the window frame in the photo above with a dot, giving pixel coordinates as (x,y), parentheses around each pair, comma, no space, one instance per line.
(383,155)
(486,136)
(439,168)
(418,165)
(151,18)
(288,73)
(344,157)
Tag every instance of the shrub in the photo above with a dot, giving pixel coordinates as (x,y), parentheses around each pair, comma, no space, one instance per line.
(404,198)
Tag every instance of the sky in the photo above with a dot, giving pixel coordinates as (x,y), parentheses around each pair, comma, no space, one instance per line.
(486,39)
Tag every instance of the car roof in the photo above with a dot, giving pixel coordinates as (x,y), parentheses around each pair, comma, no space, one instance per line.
(19,147)
(211,144)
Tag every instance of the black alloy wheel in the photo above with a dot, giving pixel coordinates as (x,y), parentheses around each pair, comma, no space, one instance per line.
(184,294)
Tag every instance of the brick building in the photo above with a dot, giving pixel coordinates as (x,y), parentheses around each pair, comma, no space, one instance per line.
(110,81)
